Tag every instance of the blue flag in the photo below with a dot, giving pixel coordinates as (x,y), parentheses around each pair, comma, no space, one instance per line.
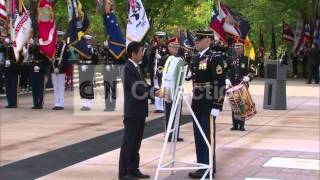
(116,42)
(182,38)
(78,25)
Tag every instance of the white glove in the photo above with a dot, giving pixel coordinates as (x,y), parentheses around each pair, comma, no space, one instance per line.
(246,79)
(36,68)
(7,63)
(158,56)
(107,67)
(84,68)
(56,70)
(228,83)
(215,112)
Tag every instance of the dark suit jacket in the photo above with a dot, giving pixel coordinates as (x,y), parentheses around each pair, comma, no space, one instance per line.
(136,92)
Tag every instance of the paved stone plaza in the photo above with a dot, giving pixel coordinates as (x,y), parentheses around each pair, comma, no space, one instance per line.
(73,145)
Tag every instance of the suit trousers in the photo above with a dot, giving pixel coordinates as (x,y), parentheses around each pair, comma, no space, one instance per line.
(131,143)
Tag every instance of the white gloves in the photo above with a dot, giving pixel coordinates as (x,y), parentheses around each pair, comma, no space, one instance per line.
(56,70)
(36,68)
(84,68)
(7,63)
(215,112)
(246,79)
(158,56)
(228,83)
(108,68)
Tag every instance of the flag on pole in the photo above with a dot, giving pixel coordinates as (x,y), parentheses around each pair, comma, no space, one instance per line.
(182,38)
(78,25)
(249,49)
(315,43)
(273,54)
(138,23)
(299,39)
(217,26)
(116,42)
(22,31)
(261,45)
(3,11)
(287,33)
(3,18)
(307,35)
(47,33)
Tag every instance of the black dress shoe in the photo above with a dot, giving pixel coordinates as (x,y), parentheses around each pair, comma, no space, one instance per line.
(85,109)
(60,108)
(55,108)
(242,129)
(10,106)
(233,129)
(158,111)
(127,177)
(198,174)
(138,174)
(180,139)
(37,107)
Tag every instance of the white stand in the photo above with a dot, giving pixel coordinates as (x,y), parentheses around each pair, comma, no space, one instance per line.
(173,128)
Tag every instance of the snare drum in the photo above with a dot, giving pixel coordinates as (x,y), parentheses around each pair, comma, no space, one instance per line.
(241,102)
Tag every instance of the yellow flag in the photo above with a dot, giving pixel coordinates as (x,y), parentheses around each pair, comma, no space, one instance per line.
(249,49)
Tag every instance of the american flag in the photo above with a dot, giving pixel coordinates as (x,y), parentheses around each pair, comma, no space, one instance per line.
(3,10)
(307,34)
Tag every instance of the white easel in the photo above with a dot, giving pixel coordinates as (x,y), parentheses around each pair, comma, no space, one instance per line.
(173,128)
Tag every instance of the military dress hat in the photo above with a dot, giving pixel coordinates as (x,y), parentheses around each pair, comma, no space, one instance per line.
(173,42)
(88,37)
(160,34)
(61,33)
(203,34)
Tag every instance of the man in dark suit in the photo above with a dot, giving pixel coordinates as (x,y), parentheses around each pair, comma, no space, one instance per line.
(136,94)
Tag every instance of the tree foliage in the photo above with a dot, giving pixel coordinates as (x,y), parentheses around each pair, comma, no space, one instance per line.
(173,15)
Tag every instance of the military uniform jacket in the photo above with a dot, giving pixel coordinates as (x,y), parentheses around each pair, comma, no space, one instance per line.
(9,55)
(208,76)
(238,68)
(159,63)
(62,66)
(39,59)
(93,60)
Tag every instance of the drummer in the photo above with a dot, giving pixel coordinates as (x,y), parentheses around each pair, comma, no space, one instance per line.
(240,70)
(173,48)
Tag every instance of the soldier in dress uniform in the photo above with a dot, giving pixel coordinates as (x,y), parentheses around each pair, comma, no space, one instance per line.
(240,69)
(208,76)
(173,49)
(11,73)
(86,76)
(159,55)
(59,71)
(40,66)
(2,61)
(109,73)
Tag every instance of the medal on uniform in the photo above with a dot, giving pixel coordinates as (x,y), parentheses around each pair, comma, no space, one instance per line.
(203,64)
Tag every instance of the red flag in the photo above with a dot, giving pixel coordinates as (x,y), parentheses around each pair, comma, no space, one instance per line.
(47,29)
(287,33)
